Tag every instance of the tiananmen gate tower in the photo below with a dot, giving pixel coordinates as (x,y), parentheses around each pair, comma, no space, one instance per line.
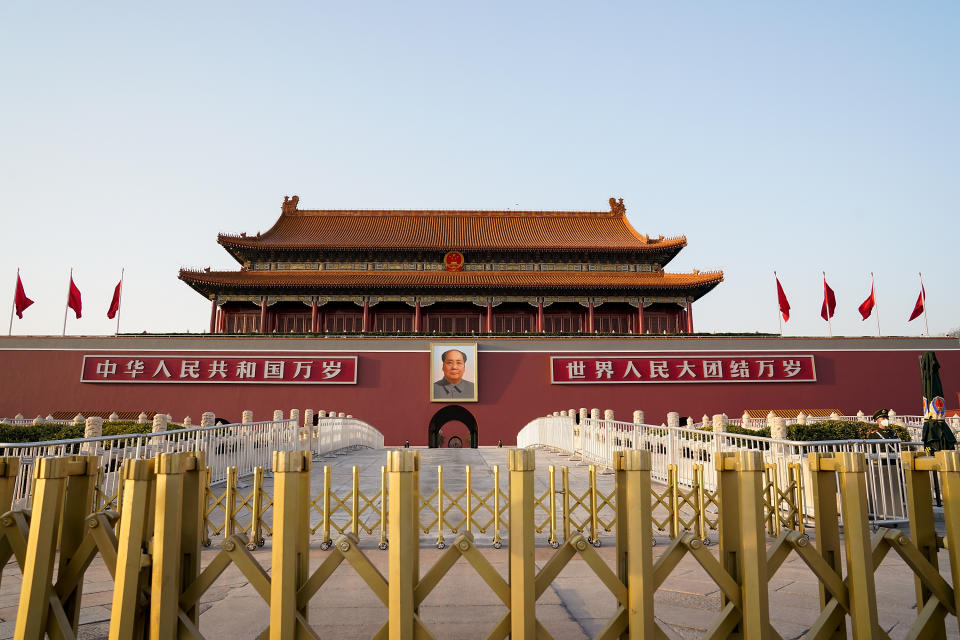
(464,272)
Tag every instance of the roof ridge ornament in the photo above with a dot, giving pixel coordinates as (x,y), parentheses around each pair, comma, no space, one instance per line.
(617,206)
(289,204)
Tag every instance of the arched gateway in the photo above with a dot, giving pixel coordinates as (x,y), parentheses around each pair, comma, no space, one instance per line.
(452,413)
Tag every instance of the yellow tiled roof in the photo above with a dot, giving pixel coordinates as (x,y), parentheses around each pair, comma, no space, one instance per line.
(453,230)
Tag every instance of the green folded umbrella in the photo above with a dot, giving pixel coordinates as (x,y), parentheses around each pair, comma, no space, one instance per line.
(937,436)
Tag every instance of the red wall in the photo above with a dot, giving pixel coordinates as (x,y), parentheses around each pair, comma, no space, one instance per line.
(37,377)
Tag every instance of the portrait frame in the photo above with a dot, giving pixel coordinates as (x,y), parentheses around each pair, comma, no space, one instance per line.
(438,376)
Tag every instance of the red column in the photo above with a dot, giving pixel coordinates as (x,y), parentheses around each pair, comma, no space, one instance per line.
(489,317)
(213,316)
(690,317)
(540,316)
(590,318)
(313,317)
(366,316)
(416,316)
(640,317)
(221,321)
(263,316)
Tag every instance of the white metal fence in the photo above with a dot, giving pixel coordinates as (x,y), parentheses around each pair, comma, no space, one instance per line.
(595,441)
(244,445)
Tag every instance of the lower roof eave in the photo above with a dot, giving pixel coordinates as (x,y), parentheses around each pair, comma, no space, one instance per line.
(693,293)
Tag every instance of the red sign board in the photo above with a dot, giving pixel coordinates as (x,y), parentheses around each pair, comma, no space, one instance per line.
(696,369)
(212,369)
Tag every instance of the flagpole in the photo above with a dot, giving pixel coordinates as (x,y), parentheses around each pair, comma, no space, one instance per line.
(827,303)
(67,305)
(13,304)
(779,314)
(119,302)
(875,305)
(923,298)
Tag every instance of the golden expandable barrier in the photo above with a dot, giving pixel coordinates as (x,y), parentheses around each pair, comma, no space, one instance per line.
(155,555)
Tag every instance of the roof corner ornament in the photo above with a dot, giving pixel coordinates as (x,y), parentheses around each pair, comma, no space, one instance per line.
(617,206)
(289,204)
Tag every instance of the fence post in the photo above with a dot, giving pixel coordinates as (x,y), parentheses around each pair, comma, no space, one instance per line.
(620,480)
(256,508)
(523,622)
(159,425)
(291,528)
(404,547)
(166,578)
(93,428)
(49,483)
(823,484)
(415,521)
(673,484)
(922,528)
(77,505)
(949,463)
(192,530)
(743,550)
(126,614)
(230,503)
(634,468)
(756,613)
(852,470)
(9,467)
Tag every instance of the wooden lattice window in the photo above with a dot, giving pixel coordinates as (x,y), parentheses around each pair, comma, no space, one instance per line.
(243,322)
(393,322)
(454,322)
(292,323)
(511,323)
(343,322)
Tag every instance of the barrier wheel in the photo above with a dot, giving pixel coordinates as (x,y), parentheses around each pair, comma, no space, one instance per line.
(653,542)
(326,544)
(260,542)
(596,543)
(207,542)
(555,544)
(706,542)
(382,546)
(497,544)
(441,545)
(251,546)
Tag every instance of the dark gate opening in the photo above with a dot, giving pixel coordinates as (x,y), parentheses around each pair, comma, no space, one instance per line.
(452,413)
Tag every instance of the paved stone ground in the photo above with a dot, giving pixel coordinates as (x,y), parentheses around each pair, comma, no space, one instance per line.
(576,605)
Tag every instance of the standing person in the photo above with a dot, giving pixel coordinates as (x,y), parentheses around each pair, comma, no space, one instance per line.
(882,418)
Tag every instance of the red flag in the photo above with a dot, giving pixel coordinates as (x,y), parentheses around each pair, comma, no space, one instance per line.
(918,308)
(829,301)
(782,299)
(73,298)
(115,303)
(20,299)
(866,307)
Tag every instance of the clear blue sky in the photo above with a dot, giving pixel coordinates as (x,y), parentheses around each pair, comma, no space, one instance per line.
(801,138)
